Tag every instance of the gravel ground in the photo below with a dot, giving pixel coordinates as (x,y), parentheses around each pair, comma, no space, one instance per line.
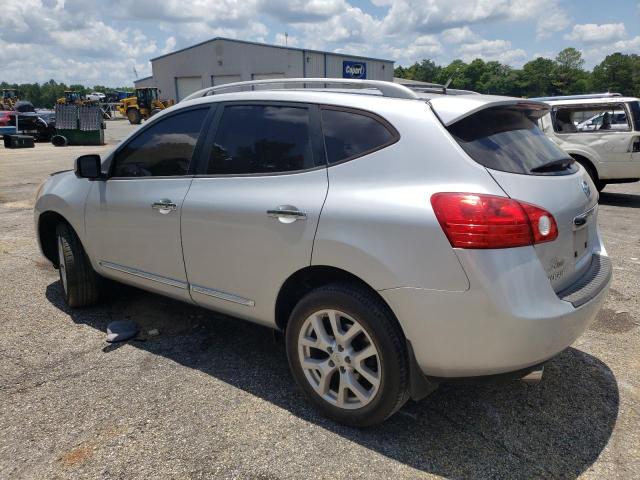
(211,396)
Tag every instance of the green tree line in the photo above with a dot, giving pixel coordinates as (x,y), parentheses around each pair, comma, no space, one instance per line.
(46,94)
(564,75)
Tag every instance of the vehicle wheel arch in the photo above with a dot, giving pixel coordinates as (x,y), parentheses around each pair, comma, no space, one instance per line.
(308,278)
(47,223)
(586,162)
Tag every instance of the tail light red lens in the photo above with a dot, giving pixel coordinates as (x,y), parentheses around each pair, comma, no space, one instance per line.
(472,220)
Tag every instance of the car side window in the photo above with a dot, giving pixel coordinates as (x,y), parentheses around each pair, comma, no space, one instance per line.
(256,139)
(163,149)
(349,134)
(591,118)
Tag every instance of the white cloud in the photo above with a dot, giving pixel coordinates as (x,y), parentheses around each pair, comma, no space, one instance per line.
(596,53)
(433,16)
(169,45)
(100,40)
(459,35)
(556,21)
(282,39)
(86,41)
(302,11)
(471,46)
(425,46)
(594,33)
(351,26)
(499,50)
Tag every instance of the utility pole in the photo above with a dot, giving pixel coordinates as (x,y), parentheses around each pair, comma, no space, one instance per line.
(286,39)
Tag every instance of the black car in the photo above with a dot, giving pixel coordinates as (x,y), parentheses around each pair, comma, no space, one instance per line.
(39,124)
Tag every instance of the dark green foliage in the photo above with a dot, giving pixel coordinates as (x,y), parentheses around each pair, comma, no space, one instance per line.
(564,75)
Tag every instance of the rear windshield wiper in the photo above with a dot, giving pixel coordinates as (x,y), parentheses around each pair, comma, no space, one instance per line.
(554,166)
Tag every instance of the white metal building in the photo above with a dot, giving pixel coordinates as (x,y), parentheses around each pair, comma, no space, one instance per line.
(222,60)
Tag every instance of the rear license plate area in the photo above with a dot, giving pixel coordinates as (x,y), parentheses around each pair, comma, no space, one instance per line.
(582,234)
(581,241)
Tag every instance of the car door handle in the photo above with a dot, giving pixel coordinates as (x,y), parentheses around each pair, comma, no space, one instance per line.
(164,206)
(287,214)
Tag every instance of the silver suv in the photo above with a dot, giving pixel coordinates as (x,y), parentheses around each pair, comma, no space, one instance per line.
(399,239)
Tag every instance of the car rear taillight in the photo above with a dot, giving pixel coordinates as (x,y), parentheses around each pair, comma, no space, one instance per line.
(472,220)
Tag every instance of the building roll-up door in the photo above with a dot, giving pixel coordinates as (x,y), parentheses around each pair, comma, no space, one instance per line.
(185,86)
(222,79)
(265,76)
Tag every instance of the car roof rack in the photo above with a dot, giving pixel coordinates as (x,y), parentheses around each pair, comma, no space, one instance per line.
(578,97)
(425,87)
(387,89)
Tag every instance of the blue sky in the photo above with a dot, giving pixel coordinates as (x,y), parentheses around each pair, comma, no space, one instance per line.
(102,41)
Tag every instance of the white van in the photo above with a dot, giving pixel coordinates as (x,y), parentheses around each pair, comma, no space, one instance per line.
(602,132)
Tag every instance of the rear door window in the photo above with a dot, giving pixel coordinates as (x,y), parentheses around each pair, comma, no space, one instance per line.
(259,139)
(509,140)
(349,134)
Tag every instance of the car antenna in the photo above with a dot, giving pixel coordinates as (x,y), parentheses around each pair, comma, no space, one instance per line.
(446,85)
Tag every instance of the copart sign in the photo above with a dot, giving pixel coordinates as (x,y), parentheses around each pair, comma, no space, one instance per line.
(354,69)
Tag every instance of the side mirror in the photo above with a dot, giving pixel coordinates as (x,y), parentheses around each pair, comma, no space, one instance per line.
(88,166)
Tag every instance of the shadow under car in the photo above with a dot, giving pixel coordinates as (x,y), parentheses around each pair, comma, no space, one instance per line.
(554,429)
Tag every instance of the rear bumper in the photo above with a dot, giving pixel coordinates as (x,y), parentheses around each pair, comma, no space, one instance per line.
(510,318)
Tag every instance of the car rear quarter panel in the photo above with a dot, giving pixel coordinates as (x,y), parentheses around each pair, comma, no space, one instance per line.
(377,221)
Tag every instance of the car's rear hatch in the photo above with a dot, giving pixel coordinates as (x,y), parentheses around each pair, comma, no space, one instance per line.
(502,135)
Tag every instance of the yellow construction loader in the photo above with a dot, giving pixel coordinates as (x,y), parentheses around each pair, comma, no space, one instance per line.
(9,98)
(71,97)
(143,105)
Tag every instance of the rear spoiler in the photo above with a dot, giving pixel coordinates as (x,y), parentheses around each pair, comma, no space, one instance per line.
(452,109)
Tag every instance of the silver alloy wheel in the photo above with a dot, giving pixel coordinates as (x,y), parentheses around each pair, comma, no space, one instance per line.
(62,265)
(339,359)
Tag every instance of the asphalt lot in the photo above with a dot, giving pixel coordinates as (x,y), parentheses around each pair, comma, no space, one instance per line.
(211,396)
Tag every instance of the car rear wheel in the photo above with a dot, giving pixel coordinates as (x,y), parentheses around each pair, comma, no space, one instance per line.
(348,354)
(79,280)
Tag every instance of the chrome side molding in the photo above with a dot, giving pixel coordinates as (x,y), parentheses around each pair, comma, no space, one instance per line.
(146,275)
(230,297)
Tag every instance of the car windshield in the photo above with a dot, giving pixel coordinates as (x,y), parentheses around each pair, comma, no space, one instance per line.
(509,140)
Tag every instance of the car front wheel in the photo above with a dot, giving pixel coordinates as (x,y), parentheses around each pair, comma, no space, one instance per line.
(79,280)
(348,354)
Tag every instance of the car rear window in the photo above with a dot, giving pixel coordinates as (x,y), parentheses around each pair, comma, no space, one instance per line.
(509,140)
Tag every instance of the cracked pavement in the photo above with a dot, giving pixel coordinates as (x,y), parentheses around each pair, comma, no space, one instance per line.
(211,396)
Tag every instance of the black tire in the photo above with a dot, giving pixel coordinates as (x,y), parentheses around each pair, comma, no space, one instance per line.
(381,326)
(59,141)
(154,111)
(78,279)
(133,114)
